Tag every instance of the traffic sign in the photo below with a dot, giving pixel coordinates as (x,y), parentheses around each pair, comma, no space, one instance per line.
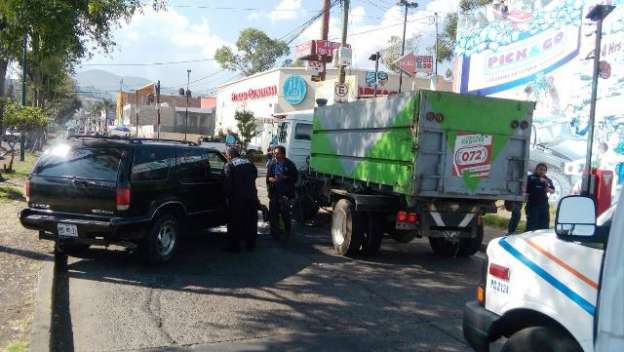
(407,63)
(341,90)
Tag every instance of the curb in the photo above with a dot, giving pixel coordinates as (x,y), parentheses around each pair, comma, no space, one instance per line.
(41,331)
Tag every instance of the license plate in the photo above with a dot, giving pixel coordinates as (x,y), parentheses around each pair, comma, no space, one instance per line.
(67,230)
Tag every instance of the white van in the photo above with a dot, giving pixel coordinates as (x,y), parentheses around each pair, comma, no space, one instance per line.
(294,131)
(554,290)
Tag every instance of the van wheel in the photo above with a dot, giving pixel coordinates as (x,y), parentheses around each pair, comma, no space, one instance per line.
(541,338)
(161,241)
(451,245)
(373,235)
(346,229)
(71,248)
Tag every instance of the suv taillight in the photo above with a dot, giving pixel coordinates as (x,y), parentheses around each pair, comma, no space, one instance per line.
(27,190)
(122,198)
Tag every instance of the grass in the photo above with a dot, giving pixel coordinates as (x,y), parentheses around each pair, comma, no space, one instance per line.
(9,192)
(501,219)
(19,346)
(21,169)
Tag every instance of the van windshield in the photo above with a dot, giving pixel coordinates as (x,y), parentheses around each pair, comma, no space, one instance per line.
(88,163)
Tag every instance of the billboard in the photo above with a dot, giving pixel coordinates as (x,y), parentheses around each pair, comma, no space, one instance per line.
(541,50)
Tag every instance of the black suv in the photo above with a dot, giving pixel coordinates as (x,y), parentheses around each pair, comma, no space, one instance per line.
(130,192)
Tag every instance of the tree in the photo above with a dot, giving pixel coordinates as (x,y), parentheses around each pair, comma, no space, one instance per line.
(246,126)
(60,33)
(256,52)
(392,53)
(23,119)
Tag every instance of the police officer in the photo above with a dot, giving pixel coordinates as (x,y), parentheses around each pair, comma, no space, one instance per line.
(281,177)
(537,208)
(242,197)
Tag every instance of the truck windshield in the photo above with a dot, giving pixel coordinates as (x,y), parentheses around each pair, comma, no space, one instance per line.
(282,132)
(88,163)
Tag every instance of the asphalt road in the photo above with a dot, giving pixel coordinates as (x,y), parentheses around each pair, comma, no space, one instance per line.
(298,296)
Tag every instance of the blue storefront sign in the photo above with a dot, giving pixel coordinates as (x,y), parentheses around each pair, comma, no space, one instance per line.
(295,89)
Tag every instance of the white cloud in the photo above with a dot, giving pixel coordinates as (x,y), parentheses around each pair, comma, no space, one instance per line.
(253,16)
(286,10)
(357,15)
(162,36)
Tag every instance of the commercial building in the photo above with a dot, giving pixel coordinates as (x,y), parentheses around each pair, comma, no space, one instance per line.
(282,90)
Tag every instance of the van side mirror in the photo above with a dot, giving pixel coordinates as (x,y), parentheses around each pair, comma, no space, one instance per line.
(576,219)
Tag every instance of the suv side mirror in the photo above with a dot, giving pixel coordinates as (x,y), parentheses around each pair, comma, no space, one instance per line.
(576,219)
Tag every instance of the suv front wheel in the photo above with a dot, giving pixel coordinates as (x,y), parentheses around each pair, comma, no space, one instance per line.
(161,241)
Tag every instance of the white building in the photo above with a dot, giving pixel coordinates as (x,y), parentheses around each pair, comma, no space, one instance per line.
(272,93)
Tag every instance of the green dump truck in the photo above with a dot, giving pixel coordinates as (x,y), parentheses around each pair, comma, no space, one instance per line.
(422,163)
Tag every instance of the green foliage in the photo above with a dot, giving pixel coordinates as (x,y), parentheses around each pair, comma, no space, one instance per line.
(446,40)
(246,126)
(24,118)
(392,52)
(256,52)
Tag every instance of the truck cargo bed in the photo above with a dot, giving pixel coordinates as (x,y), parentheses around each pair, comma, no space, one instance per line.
(426,144)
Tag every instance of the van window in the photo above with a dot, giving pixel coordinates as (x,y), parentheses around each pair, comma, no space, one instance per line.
(152,163)
(193,165)
(303,131)
(89,163)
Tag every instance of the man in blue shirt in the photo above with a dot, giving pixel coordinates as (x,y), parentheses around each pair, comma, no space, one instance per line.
(282,175)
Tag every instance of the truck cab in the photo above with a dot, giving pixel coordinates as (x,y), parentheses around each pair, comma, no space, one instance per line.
(554,290)
(294,131)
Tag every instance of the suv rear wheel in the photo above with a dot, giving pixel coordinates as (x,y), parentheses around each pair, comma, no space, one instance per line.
(161,241)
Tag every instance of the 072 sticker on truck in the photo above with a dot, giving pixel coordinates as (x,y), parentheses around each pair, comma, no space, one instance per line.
(472,153)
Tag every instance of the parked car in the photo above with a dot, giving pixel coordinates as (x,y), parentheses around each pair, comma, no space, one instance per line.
(136,193)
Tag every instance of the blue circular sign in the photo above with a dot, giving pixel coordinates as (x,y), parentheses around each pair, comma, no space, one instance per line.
(295,89)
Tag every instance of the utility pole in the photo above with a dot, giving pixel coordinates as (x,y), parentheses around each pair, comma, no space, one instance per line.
(324,34)
(187,93)
(23,133)
(407,5)
(434,79)
(158,109)
(597,14)
(375,57)
(120,102)
(343,43)
(136,111)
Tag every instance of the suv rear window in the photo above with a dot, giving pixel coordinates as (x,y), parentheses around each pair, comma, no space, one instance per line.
(90,163)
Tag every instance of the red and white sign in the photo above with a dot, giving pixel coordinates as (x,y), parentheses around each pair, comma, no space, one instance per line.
(255,93)
(407,63)
(316,49)
(314,67)
(424,63)
(472,153)
(604,69)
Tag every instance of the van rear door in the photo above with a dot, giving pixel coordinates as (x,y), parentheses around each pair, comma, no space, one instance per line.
(80,179)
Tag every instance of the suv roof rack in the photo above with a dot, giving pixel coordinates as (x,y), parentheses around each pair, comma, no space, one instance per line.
(134,140)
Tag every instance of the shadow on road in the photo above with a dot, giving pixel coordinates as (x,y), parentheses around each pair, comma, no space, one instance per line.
(293,296)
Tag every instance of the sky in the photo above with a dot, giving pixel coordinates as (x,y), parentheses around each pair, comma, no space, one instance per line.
(192,30)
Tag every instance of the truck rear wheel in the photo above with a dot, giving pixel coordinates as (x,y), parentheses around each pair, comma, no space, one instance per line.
(541,338)
(451,245)
(373,234)
(346,229)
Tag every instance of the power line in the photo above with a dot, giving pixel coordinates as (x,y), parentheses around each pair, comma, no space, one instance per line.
(150,64)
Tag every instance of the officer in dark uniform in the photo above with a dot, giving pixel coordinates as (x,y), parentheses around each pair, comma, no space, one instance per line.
(242,198)
(537,207)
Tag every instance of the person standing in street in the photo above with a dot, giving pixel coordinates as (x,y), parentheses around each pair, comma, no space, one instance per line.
(537,207)
(282,175)
(242,200)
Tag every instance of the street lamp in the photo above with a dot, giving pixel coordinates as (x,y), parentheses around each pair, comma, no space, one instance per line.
(407,5)
(597,14)
(375,57)
(186,93)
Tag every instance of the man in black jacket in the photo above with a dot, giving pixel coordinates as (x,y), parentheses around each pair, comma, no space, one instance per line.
(242,197)
(537,208)
(282,175)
